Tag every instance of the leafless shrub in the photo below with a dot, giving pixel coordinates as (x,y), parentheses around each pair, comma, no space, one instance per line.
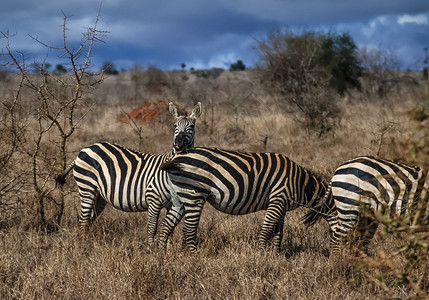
(382,72)
(55,115)
(12,135)
(208,74)
(136,73)
(155,80)
(403,267)
(177,84)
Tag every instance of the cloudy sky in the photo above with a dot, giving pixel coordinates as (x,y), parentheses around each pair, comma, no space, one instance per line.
(206,34)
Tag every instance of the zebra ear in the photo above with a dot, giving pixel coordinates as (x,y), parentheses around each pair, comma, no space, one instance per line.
(173,110)
(196,112)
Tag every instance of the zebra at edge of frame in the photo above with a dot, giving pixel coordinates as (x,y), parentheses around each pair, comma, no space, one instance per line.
(129,180)
(238,183)
(365,189)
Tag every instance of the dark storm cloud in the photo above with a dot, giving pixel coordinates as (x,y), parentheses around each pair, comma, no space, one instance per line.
(210,33)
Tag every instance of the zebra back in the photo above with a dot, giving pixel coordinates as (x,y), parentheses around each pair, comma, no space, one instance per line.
(387,186)
(242,181)
(121,175)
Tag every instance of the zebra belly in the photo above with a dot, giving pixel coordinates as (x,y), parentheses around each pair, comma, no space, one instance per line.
(129,205)
(234,206)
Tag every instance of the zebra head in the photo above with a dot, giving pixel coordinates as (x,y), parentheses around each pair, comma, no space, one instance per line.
(184,131)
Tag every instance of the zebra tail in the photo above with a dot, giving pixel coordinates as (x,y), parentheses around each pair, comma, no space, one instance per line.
(61,179)
(320,210)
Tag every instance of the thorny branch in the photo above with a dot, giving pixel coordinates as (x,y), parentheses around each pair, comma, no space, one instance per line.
(57,97)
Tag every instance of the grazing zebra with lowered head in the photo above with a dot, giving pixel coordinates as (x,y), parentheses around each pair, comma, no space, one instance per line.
(238,183)
(129,180)
(383,187)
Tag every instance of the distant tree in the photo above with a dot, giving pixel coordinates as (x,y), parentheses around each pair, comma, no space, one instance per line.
(40,68)
(47,66)
(288,69)
(155,79)
(137,78)
(3,76)
(215,72)
(381,72)
(238,66)
(109,69)
(426,63)
(183,65)
(59,69)
(338,54)
(36,68)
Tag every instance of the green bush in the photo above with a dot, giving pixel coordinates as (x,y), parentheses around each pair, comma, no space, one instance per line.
(289,69)
(238,66)
(338,54)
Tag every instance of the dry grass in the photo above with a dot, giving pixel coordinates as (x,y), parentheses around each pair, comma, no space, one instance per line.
(114,261)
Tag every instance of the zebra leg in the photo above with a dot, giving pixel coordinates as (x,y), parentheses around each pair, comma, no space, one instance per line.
(154,210)
(342,229)
(335,238)
(100,204)
(278,235)
(87,200)
(366,228)
(273,223)
(192,219)
(172,218)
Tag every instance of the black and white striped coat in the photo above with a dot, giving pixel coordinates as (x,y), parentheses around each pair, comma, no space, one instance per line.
(128,180)
(239,183)
(382,187)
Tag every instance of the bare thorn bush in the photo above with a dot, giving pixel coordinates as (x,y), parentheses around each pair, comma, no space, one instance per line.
(53,115)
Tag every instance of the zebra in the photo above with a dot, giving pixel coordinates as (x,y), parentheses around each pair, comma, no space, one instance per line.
(238,183)
(130,181)
(383,187)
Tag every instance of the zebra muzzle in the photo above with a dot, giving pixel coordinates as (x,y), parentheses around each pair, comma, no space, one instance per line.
(179,141)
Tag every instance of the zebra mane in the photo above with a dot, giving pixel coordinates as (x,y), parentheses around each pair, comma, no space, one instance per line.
(172,151)
(316,175)
(321,208)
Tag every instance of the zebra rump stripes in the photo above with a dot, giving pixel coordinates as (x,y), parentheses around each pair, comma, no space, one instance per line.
(238,183)
(129,180)
(382,186)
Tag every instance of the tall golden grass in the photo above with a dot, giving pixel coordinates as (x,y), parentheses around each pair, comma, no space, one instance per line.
(114,261)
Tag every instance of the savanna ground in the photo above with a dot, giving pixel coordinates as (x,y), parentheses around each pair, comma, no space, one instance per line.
(114,260)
